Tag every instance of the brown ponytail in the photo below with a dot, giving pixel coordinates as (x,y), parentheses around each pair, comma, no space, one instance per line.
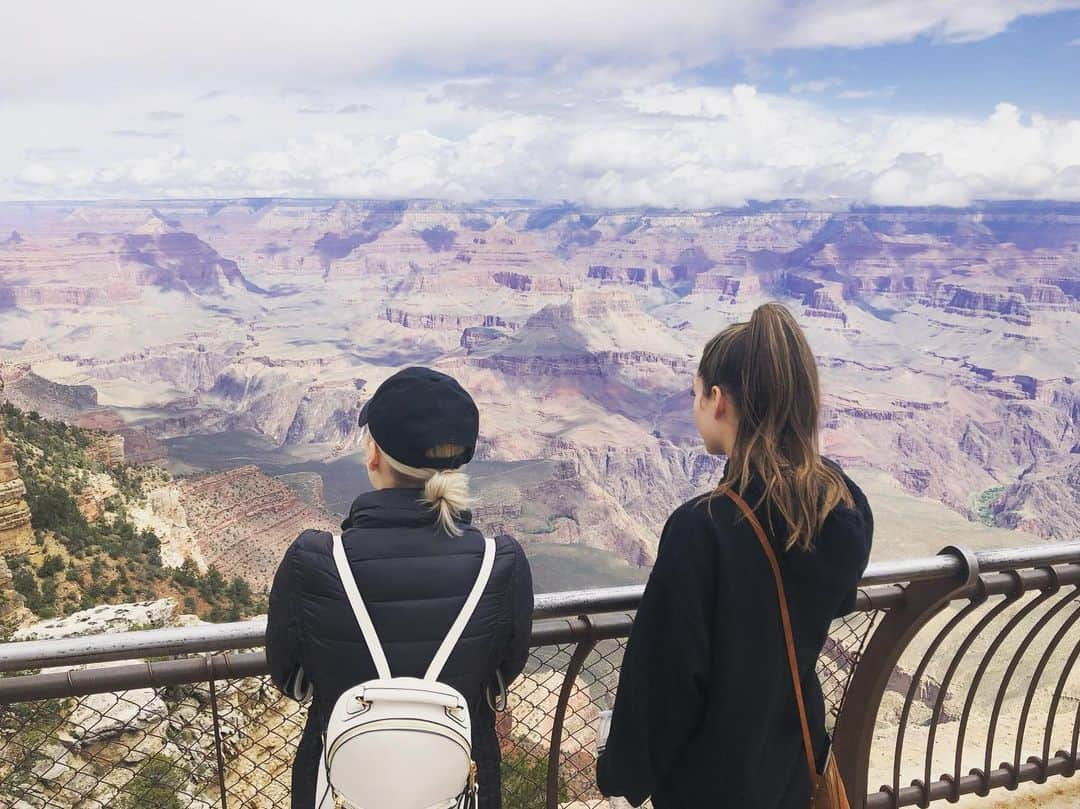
(767,369)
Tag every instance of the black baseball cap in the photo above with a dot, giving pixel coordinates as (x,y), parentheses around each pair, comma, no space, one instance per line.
(417,409)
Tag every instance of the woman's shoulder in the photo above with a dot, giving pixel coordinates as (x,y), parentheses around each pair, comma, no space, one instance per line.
(712,511)
(696,521)
(312,541)
(699,511)
(858,517)
(506,545)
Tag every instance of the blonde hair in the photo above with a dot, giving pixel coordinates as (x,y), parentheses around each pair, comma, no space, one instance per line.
(446,491)
(767,368)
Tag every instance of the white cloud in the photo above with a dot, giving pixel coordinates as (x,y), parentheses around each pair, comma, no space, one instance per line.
(859,23)
(815,85)
(551,100)
(36,175)
(127,42)
(859,95)
(656,144)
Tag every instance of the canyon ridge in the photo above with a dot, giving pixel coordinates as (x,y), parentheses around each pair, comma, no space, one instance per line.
(234,342)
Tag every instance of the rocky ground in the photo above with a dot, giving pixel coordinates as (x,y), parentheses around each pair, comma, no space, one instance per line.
(145,747)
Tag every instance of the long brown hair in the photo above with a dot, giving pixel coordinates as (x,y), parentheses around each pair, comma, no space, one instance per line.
(767,369)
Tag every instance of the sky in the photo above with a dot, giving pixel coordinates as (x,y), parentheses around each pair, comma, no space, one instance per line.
(612,103)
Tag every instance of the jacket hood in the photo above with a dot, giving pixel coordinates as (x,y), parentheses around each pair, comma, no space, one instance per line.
(390,508)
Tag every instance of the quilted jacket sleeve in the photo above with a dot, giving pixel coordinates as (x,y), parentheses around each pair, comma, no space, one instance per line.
(521,603)
(283,628)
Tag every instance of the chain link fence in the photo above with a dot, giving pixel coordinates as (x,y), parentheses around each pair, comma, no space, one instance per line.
(179,747)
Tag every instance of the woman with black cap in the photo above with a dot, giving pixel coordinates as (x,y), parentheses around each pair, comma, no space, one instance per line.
(415,557)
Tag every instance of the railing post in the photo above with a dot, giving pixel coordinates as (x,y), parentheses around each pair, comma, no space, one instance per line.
(573,669)
(855,726)
(217,731)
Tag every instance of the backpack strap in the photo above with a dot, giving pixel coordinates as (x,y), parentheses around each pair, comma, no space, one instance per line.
(371,637)
(458,627)
(785,619)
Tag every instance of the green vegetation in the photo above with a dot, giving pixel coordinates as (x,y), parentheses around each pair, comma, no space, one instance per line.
(228,601)
(81,563)
(130,480)
(50,567)
(155,785)
(40,598)
(62,445)
(984,504)
(26,728)
(524,781)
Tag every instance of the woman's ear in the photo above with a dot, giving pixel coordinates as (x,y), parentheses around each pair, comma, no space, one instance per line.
(721,403)
(374,457)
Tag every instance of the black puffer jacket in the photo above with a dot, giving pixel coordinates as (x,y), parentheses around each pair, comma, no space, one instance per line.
(705,714)
(414,579)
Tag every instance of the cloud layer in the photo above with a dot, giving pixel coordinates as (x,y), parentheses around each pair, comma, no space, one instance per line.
(658,144)
(561,100)
(131,42)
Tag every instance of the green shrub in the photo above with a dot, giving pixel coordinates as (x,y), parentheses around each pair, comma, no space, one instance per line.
(27,728)
(155,785)
(122,560)
(524,781)
(50,567)
(187,575)
(53,509)
(26,585)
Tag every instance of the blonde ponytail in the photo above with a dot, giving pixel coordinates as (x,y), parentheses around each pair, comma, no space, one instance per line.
(446,491)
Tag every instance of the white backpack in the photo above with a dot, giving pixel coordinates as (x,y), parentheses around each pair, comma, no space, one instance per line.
(400,742)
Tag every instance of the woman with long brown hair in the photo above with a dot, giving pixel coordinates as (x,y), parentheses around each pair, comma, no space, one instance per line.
(706,713)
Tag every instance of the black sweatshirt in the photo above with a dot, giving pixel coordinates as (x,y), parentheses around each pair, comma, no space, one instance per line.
(414,578)
(705,714)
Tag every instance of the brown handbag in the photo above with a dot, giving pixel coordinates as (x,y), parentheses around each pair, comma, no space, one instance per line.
(826,789)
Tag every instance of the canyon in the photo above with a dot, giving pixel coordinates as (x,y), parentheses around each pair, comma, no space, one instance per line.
(946,341)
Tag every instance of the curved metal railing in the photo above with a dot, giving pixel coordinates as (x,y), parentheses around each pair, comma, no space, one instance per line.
(945,660)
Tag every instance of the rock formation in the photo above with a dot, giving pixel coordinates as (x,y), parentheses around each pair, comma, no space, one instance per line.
(28,390)
(103,749)
(12,605)
(165,515)
(107,449)
(174,260)
(137,445)
(243,520)
(943,336)
(16,535)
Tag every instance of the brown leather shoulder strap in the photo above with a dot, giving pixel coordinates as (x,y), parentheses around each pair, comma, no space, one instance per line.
(785,619)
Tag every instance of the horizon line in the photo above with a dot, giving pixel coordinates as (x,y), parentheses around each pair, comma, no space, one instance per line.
(793,204)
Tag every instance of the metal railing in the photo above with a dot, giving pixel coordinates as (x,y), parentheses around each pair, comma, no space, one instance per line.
(944,661)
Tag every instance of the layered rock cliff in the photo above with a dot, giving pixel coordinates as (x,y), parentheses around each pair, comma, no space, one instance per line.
(942,335)
(13,610)
(16,535)
(243,520)
(24,388)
